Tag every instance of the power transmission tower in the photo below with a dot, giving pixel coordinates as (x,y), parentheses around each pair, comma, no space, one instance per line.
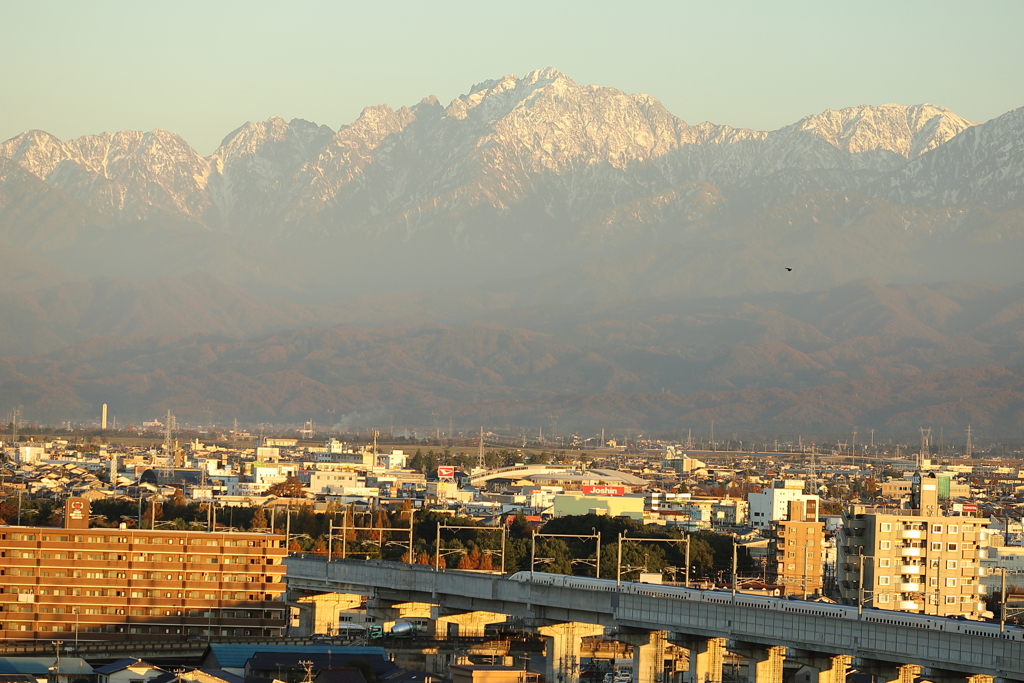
(168,431)
(480,453)
(968,447)
(926,446)
(14,424)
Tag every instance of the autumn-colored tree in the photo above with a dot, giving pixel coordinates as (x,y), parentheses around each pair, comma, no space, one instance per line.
(320,548)
(289,488)
(153,510)
(338,549)
(349,524)
(259,520)
(294,547)
(486,562)
(471,560)
(424,558)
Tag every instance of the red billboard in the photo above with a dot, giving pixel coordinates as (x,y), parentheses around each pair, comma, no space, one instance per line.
(445,472)
(604,490)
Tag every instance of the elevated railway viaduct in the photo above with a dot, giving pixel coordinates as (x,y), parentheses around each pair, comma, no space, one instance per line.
(832,646)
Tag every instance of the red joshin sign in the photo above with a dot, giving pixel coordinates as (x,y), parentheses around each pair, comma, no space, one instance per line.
(604,490)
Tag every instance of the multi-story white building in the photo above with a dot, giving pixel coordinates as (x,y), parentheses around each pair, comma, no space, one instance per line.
(913,560)
(772,504)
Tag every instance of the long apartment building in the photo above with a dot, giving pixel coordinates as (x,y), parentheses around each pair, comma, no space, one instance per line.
(113,584)
(914,560)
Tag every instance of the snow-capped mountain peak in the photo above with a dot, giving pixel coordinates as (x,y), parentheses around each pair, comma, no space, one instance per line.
(909,131)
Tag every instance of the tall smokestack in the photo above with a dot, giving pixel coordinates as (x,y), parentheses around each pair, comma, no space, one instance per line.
(103,417)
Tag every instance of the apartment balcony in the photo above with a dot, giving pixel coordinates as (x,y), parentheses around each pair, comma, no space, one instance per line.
(911,533)
(911,569)
(910,552)
(910,588)
(910,605)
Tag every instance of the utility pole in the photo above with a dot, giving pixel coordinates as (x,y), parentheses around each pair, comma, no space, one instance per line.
(56,667)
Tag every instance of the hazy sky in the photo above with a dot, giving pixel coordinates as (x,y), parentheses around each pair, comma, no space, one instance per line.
(201,69)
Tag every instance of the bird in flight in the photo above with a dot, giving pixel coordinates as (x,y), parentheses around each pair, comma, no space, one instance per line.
(789,269)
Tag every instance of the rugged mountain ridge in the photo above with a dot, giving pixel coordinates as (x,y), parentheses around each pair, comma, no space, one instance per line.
(488,146)
(538,171)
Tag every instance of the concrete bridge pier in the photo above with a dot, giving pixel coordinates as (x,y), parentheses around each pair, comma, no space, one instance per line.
(766,661)
(452,622)
(887,672)
(706,657)
(648,653)
(831,668)
(564,643)
(944,676)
